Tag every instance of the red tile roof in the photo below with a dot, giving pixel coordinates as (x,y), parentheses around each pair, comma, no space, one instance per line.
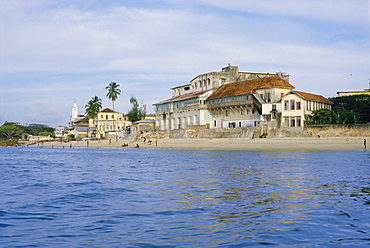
(183,97)
(107,110)
(249,87)
(312,97)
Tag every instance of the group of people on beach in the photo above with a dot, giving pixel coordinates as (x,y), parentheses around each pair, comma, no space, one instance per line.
(138,146)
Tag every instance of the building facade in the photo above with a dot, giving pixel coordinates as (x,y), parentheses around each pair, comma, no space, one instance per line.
(242,104)
(233,99)
(187,106)
(296,105)
(59,131)
(109,121)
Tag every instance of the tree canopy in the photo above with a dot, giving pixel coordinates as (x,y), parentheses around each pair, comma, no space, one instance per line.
(15,130)
(10,130)
(353,105)
(136,113)
(346,110)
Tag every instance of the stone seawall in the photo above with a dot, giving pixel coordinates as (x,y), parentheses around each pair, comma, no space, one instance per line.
(200,132)
(338,130)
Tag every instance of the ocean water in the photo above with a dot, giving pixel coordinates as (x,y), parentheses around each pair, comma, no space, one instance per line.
(88,197)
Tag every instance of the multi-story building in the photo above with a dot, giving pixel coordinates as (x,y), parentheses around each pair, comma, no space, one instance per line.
(231,99)
(264,100)
(295,105)
(187,104)
(242,104)
(109,121)
(59,131)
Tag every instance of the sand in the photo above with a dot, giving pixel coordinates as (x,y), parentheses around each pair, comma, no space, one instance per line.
(264,144)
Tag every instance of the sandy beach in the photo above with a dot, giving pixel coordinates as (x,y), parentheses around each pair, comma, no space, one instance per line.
(268,144)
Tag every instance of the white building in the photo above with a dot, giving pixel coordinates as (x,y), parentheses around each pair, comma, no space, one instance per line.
(259,101)
(187,105)
(59,131)
(75,117)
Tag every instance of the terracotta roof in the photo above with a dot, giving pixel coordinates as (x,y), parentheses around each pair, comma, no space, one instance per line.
(107,110)
(312,97)
(183,97)
(249,87)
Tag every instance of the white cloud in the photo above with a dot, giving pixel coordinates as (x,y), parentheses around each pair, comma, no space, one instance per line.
(343,11)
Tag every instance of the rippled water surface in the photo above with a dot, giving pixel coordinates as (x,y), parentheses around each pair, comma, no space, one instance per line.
(176,198)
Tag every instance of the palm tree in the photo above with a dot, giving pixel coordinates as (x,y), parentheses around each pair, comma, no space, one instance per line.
(93,107)
(113,92)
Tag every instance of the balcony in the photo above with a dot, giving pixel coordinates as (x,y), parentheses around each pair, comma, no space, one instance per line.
(230,104)
(197,106)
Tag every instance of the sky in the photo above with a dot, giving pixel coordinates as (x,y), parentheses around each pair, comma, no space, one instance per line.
(55,53)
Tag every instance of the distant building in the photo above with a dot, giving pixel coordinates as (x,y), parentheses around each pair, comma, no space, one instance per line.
(146,125)
(75,117)
(150,116)
(59,131)
(353,93)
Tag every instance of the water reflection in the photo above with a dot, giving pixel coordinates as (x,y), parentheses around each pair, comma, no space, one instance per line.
(278,192)
(139,198)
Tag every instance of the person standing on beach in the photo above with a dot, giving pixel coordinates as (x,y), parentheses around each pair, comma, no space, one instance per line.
(364,143)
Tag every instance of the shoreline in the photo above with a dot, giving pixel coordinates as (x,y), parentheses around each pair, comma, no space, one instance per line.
(242,144)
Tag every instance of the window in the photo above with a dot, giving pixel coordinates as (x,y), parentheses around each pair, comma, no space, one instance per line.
(240,124)
(215,123)
(292,122)
(273,106)
(286,121)
(292,104)
(286,105)
(298,121)
(298,105)
(268,97)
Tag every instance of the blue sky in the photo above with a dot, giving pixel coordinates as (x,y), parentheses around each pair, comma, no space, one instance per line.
(53,53)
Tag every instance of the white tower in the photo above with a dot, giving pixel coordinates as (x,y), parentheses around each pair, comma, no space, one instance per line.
(74,114)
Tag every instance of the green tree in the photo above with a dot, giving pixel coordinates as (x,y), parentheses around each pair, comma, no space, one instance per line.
(358,104)
(35,129)
(113,92)
(93,107)
(322,116)
(136,113)
(10,130)
(344,116)
(46,133)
